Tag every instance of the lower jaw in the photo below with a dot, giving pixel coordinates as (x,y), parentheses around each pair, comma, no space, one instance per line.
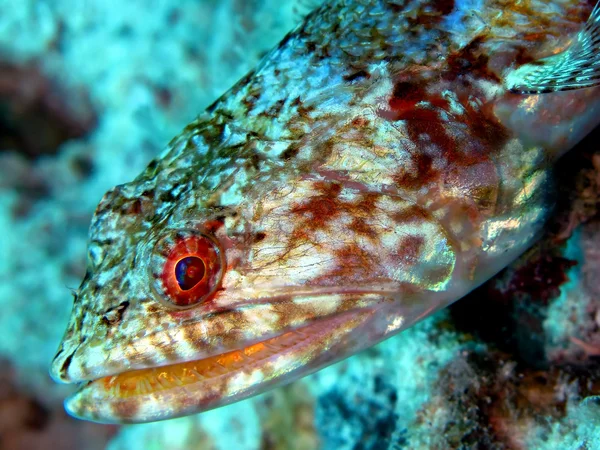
(165,392)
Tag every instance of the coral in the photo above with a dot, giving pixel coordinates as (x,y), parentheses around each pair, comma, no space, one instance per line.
(287,419)
(579,429)
(370,415)
(30,101)
(372,400)
(588,338)
(580,175)
(483,400)
(509,311)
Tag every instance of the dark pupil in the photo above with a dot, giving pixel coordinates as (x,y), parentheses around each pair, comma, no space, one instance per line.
(189,272)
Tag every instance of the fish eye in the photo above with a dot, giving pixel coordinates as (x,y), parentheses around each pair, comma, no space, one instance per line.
(187,267)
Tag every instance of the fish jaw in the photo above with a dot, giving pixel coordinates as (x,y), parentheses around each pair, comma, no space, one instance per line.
(199,384)
(206,331)
(176,390)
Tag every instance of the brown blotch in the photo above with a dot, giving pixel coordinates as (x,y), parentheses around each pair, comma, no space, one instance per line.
(148,193)
(359,226)
(484,125)
(318,211)
(135,207)
(404,103)
(404,99)
(328,189)
(351,262)
(253,161)
(458,146)
(114,315)
(470,60)
(411,214)
(259,236)
(523,56)
(276,108)
(298,237)
(360,122)
(212,226)
(152,308)
(290,152)
(126,408)
(250,100)
(304,111)
(366,204)
(422,174)
(410,248)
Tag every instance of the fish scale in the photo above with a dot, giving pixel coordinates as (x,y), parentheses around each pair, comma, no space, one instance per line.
(382,161)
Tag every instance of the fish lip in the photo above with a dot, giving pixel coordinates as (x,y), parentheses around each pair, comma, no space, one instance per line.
(93,402)
(71,376)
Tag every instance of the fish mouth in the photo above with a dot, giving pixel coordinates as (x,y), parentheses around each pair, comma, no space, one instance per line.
(203,333)
(163,392)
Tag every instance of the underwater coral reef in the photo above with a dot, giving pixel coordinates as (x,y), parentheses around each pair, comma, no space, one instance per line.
(91,91)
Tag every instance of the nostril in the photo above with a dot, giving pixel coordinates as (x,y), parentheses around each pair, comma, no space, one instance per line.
(59,371)
(114,315)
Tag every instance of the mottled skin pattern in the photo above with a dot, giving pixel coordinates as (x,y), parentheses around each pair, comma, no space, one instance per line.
(371,170)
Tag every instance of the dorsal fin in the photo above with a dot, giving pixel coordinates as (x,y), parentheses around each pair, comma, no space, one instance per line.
(577,67)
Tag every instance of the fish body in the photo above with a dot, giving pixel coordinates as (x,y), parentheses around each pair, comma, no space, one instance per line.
(382,161)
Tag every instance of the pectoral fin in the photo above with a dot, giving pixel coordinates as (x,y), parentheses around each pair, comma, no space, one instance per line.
(577,67)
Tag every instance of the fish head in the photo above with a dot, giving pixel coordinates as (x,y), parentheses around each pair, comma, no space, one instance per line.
(195,297)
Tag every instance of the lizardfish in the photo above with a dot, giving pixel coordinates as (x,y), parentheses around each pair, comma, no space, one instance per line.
(383,160)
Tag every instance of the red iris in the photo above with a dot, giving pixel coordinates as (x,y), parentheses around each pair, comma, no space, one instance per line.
(192,270)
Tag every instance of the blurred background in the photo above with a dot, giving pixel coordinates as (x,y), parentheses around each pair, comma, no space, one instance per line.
(91,90)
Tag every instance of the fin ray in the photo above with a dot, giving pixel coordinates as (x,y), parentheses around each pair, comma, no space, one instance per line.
(577,67)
